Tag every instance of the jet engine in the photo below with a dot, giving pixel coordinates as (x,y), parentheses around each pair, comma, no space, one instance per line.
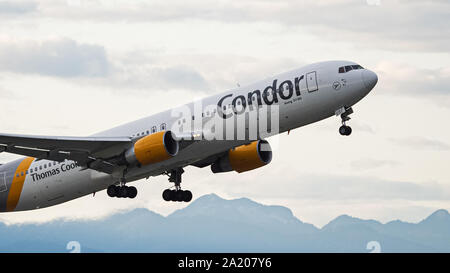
(153,148)
(244,158)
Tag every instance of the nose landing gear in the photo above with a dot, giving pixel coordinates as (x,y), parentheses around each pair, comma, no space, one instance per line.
(344,112)
(176,195)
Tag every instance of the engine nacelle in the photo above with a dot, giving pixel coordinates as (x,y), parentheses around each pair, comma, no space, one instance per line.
(244,158)
(153,148)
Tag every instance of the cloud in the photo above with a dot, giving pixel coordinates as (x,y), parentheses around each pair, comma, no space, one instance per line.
(17,7)
(141,71)
(151,76)
(60,58)
(7,94)
(393,25)
(400,79)
(89,63)
(368,163)
(421,143)
(405,79)
(341,187)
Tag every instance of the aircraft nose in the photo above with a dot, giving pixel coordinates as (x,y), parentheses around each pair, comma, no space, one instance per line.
(369,78)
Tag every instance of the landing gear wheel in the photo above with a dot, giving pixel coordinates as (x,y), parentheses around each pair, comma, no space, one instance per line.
(131,192)
(349,130)
(179,196)
(122,192)
(167,195)
(187,196)
(345,130)
(112,191)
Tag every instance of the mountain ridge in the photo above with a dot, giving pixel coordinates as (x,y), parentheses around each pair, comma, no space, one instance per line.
(213,224)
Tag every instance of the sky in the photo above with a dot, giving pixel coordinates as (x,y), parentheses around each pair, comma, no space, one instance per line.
(78,67)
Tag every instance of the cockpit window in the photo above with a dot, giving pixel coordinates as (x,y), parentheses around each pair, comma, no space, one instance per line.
(357,67)
(347,68)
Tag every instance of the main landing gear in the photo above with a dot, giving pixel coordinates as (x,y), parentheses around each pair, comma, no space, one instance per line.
(344,112)
(176,195)
(121,191)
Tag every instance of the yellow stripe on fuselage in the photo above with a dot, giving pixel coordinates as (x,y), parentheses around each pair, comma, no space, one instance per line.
(17,183)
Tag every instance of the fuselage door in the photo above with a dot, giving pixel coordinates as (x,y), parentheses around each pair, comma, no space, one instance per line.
(311,81)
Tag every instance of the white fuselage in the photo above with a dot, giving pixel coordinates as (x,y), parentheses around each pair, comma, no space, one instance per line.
(316,93)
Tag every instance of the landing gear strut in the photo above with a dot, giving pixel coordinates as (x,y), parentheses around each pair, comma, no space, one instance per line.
(344,112)
(177,194)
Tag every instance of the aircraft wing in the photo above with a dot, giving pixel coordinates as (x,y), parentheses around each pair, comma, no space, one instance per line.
(90,152)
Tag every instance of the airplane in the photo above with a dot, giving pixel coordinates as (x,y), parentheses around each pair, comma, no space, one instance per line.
(57,169)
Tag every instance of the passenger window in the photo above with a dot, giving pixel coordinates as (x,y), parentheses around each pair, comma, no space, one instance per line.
(17,175)
(31,170)
(163,127)
(348,68)
(341,69)
(40,167)
(153,129)
(45,166)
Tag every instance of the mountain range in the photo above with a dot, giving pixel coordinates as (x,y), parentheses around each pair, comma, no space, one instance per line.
(213,224)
